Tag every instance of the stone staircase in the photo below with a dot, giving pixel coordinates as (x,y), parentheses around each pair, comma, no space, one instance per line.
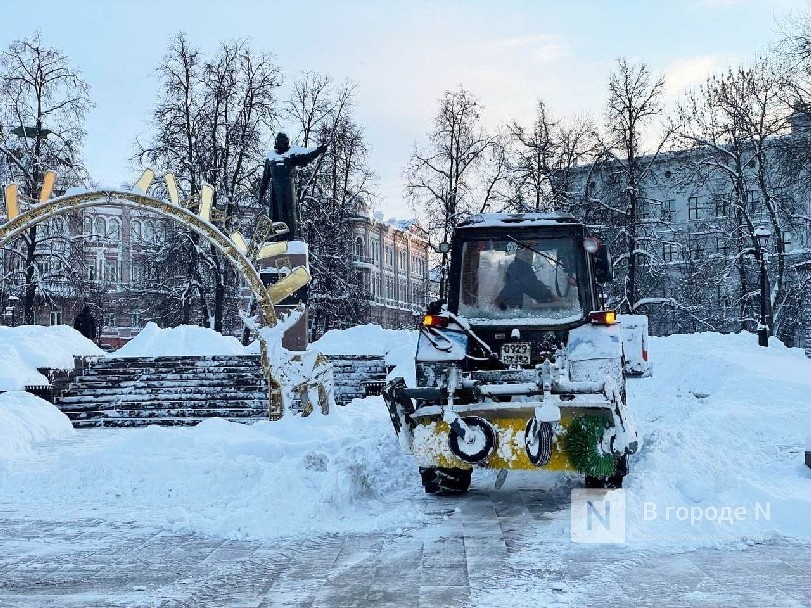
(136,391)
(357,376)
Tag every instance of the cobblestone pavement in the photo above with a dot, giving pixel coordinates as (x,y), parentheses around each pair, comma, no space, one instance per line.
(478,550)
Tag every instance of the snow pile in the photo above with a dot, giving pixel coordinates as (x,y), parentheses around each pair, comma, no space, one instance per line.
(26,419)
(16,374)
(397,346)
(152,341)
(25,348)
(724,422)
(320,474)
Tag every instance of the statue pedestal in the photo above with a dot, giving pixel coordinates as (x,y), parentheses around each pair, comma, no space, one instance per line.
(275,268)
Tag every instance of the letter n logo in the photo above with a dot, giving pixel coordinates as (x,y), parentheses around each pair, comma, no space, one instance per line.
(598,516)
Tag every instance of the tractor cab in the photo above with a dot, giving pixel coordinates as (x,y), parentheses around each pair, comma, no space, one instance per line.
(524,279)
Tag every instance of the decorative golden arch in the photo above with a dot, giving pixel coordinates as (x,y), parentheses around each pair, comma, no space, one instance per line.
(234,249)
(241,255)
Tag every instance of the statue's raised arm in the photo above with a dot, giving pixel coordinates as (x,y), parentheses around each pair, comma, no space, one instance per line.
(279,175)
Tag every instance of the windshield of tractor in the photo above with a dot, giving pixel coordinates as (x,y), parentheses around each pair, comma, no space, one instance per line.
(527,282)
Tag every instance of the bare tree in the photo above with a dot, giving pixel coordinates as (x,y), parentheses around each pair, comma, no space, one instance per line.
(441,178)
(733,126)
(210,126)
(44,105)
(333,191)
(634,100)
(543,158)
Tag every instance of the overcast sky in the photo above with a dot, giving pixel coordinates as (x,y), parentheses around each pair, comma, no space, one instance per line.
(402,55)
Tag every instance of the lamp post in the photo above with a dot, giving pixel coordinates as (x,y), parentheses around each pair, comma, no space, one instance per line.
(762,234)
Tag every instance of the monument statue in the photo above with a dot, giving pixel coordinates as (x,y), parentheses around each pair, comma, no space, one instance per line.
(279,175)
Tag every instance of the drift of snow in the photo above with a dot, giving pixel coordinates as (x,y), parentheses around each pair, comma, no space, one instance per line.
(24,420)
(25,348)
(396,346)
(152,341)
(320,474)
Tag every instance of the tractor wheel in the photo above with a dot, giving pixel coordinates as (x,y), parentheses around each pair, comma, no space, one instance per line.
(445,481)
(612,482)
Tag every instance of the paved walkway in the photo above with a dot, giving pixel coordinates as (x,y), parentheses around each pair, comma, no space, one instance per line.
(481,550)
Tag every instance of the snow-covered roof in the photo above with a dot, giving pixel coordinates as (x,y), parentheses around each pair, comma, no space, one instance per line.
(505,220)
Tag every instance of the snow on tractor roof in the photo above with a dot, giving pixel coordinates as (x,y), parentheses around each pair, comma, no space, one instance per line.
(506,220)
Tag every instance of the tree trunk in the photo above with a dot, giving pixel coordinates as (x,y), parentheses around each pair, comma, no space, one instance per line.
(30,295)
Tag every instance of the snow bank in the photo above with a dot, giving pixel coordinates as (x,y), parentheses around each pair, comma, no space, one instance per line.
(152,341)
(724,423)
(26,419)
(397,346)
(320,474)
(25,348)
(16,374)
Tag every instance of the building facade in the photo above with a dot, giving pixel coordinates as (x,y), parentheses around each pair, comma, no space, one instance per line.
(100,258)
(393,256)
(696,260)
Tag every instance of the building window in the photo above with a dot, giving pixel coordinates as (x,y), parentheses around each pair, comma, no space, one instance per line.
(721,206)
(389,252)
(114,230)
(137,273)
(390,288)
(696,250)
(375,251)
(149,232)
(137,319)
(109,319)
(670,252)
(722,245)
(693,210)
(87,226)
(56,317)
(403,261)
(91,269)
(752,201)
(111,271)
(359,248)
(101,226)
(135,228)
(643,210)
(667,210)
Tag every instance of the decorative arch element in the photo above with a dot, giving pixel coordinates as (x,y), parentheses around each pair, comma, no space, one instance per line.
(242,255)
(239,254)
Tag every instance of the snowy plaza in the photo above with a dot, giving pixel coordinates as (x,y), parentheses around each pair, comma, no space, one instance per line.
(445,304)
(326,511)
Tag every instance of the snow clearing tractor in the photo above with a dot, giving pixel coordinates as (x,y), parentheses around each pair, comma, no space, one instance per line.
(521,367)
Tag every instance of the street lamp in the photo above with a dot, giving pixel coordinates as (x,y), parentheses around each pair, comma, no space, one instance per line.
(762,235)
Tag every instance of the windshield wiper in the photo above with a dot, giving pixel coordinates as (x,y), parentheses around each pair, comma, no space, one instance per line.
(548,257)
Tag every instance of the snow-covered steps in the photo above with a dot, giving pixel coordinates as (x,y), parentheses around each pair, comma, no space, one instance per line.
(353,372)
(182,390)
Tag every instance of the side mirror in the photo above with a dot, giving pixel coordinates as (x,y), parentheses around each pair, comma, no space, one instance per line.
(603,267)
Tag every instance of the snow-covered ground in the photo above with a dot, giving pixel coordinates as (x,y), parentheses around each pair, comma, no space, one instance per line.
(153,341)
(723,422)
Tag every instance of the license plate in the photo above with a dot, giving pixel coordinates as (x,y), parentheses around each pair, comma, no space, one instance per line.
(515,353)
